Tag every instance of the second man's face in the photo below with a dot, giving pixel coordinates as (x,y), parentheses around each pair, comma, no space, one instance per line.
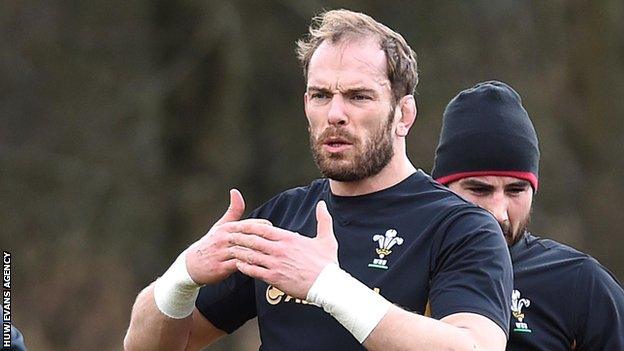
(509,199)
(348,103)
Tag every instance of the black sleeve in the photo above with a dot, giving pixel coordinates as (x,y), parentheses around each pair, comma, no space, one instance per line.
(472,269)
(228,304)
(600,302)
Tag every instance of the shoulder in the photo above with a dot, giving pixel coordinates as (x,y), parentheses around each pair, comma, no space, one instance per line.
(536,251)
(440,199)
(599,277)
(427,186)
(292,199)
(598,305)
(551,245)
(316,187)
(560,260)
(458,222)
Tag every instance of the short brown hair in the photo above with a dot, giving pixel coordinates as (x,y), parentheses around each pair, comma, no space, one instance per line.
(337,25)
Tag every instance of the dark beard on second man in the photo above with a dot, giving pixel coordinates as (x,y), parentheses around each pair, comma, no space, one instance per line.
(514,237)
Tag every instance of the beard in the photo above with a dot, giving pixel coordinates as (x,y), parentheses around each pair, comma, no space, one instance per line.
(368,157)
(513,236)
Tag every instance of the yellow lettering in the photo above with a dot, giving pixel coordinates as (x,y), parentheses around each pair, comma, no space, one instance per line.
(274,295)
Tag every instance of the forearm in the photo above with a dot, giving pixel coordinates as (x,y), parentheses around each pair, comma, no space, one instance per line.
(379,325)
(164,316)
(150,329)
(403,330)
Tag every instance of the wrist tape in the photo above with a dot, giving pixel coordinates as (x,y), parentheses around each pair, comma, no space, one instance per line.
(175,292)
(358,308)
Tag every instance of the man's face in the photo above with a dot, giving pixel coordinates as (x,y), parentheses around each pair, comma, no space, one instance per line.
(508,199)
(348,102)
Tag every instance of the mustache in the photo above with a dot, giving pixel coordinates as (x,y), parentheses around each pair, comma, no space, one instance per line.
(333,132)
(506,228)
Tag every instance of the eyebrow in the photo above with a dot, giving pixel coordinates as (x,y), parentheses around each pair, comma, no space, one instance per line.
(351,90)
(474,182)
(522,183)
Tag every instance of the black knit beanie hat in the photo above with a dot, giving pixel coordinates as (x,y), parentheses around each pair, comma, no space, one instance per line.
(486,131)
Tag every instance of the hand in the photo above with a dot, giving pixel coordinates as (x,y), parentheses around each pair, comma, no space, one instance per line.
(284,259)
(209,260)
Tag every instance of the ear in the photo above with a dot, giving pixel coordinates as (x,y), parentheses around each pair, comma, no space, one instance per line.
(407,106)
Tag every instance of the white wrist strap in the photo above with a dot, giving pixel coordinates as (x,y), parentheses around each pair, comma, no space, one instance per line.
(175,292)
(358,308)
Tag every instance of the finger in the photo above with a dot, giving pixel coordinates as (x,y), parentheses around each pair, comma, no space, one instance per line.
(230,265)
(250,257)
(253,271)
(324,222)
(223,255)
(222,238)
(252,242)
(236,208)
(264,231)
(260,221)
(234,227)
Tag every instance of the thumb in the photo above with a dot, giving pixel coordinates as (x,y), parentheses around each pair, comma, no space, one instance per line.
(236,209)
(324,222)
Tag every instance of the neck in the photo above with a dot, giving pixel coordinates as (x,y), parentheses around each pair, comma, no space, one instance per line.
(395,172)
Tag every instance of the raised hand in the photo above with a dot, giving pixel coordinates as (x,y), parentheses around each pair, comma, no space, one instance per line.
(209,260)
(285,259)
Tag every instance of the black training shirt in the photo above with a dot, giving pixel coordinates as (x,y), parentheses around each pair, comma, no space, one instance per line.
(438,249)
(563,298)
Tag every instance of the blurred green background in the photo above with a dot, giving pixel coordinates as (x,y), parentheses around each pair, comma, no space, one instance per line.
(124,124)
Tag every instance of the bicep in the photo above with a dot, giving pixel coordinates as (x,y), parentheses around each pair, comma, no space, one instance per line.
(485,332)
(203,332)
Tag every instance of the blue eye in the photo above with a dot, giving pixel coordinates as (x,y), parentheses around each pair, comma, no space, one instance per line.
(319,95)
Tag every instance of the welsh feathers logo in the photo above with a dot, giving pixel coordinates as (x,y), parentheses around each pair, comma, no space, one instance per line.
(517,304)
(385,243)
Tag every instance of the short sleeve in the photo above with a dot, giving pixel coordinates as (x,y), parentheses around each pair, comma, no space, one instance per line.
(600,300)
(472,269)
(228,304)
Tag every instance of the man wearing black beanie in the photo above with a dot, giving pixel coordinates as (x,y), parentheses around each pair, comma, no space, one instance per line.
(488,153)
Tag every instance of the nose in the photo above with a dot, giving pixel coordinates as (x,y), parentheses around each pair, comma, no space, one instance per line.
(498,206)
(337,114)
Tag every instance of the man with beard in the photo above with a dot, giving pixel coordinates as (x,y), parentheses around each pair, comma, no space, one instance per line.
(352,261)
(488,153)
